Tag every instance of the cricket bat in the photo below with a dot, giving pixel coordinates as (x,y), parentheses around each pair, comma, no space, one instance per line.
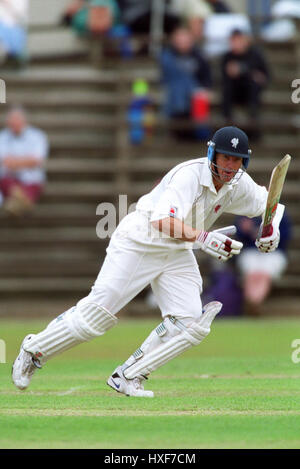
(275,188)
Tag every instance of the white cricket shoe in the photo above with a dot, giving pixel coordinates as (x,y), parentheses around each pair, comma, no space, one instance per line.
(130,387)
(24,367)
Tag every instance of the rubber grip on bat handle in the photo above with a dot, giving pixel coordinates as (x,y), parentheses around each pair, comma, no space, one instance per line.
(267,231)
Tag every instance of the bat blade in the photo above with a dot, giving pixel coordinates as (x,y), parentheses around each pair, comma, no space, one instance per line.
(275,188)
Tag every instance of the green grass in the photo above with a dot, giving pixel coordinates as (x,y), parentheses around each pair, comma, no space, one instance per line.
(238,389)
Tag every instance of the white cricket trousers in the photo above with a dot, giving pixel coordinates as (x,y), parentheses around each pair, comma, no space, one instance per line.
(133,261)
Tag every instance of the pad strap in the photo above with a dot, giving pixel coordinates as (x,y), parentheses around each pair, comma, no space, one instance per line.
(161,347)
(78,324)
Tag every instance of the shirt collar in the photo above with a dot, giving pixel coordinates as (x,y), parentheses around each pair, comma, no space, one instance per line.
(207,180)
(24,131)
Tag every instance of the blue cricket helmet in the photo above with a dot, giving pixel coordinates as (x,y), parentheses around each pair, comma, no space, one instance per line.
(230,141)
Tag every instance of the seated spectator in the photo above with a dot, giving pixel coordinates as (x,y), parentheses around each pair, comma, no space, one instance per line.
(286,9)
(23,150)
(92,17)
(13,19)
(184,72)
(282,25)
(259,269)
(224,286)
(98,18)
(245,75)
(137,15)
(194,14)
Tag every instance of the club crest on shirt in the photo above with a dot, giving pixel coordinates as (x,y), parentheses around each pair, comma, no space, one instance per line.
(217,208)
(173,211)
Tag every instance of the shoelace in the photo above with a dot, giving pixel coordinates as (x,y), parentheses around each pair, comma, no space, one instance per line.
(138,384)
(28,366)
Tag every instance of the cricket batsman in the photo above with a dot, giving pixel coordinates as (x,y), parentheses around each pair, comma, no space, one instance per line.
(154,245)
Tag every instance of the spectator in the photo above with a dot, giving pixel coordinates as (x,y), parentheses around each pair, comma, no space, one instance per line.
(23,150)
(224,287)
(219,6)
(184,71)
(98,18)
(13,19)
(149,19)
(259,9)
(282,26)
(140,114)
(194,13)
(258,269)
(245,75)
(92,17)
(136,14)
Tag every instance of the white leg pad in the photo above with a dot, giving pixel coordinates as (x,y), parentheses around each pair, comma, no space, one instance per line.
(78,324)
(171,338)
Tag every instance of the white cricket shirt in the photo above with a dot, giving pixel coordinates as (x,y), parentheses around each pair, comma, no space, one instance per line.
(187,192)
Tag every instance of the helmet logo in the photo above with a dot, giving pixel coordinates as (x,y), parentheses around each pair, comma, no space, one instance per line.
(235,142)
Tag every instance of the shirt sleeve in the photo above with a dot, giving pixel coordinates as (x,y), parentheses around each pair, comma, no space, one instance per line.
(3,146)
(249,199)
(178,197)
(40,145)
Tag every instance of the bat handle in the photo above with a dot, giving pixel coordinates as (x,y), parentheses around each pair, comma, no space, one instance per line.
(227,230)
(267,231)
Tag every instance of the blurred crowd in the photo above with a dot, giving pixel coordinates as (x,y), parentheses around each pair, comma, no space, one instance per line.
(192,35)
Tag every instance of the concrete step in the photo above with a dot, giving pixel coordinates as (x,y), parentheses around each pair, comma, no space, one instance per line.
(73,268)
(79,263)
(74,77)
(57,42)
(46,235)
(42,286)
(91,191)
(39,308)
(49,13)
(60,76)
(81,169)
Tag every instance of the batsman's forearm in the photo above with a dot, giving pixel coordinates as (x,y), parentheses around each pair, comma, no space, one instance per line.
(176,229)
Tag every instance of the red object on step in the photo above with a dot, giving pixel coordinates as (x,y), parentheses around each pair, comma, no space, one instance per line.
(200,106)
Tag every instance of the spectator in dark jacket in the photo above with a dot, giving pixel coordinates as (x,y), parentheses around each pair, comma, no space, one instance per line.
(245,75)
(184,70)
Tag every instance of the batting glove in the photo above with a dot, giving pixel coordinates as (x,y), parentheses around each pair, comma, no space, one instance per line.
(270,242)
(218,245)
